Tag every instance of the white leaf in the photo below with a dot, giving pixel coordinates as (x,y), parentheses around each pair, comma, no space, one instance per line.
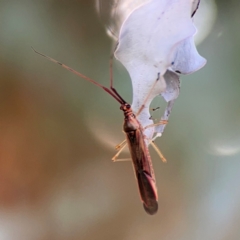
(155,40)
(172,86)
(186,58)
(170,95)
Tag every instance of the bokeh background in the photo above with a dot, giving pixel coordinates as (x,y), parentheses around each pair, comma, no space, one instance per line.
(57,134)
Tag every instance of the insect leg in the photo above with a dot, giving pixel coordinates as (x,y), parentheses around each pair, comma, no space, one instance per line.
(158,151)
(114,159)
(119,146)
(161,122)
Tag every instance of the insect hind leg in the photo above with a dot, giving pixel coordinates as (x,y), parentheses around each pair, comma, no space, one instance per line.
(158,151)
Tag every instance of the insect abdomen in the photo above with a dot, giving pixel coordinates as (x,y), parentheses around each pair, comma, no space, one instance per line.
(148,192)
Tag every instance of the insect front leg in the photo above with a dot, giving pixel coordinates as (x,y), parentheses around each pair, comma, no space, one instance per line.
(120,148)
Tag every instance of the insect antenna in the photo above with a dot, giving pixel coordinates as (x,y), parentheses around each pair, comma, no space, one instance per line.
(111,77)
(110,91)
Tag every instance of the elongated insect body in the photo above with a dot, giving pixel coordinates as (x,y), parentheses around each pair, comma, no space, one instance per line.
(136,143)
(141,160)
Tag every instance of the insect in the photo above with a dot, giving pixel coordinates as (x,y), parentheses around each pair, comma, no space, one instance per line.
(135,140)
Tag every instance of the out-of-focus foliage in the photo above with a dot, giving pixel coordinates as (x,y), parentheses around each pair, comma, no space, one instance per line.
(58,132)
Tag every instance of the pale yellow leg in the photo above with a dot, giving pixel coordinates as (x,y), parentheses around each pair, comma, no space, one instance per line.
(158,151)
(162,122)
(156,136)
(119,146)
(114,159)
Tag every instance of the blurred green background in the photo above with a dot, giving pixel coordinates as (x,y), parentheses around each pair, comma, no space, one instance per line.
(58,132)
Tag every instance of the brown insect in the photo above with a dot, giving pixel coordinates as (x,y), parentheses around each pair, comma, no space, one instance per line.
(136,143)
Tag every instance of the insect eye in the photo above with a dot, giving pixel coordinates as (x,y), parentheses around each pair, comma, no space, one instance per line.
(128,106)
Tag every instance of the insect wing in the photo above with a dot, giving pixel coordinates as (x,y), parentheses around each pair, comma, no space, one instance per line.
(143,169)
